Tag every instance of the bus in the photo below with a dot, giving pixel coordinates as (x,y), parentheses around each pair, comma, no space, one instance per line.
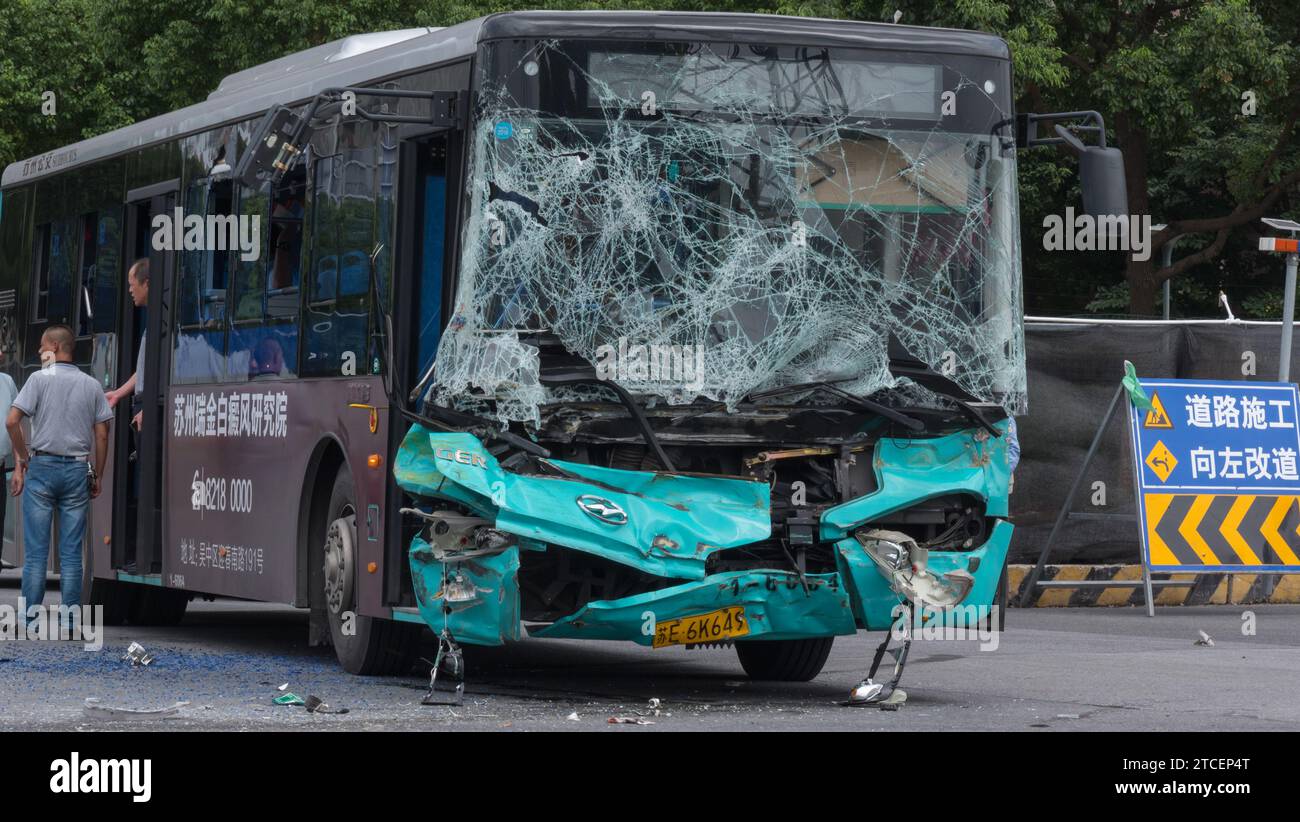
(685,329)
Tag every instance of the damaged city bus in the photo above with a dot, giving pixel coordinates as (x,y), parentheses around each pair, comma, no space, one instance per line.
(680,329)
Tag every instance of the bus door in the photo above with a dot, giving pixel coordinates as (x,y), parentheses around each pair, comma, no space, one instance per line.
(133,487)
(430,167)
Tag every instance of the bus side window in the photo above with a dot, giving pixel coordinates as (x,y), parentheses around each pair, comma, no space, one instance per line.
(83,305)
(264,325)
(204,276)
(103,287)
(41,273)
(52,275)
(343,236)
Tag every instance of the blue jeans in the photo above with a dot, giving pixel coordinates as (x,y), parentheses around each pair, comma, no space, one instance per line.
(53,482)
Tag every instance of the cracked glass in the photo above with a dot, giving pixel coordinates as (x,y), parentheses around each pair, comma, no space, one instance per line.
(774,212)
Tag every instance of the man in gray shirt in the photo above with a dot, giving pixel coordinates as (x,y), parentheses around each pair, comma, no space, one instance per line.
(69,417)
(7,393)
(137,283)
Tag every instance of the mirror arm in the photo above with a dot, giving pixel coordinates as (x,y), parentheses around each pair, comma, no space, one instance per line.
(1027,128)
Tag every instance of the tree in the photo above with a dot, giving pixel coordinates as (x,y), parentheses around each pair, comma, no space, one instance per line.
(1169,76)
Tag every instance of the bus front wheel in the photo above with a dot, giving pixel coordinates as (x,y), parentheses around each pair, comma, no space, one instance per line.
(784,660)
(364,645)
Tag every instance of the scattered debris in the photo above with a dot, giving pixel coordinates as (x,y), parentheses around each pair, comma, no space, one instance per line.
(630,720)
(894,701)
(94,709)
(1205,639)
(283,687)
(1067,716)
(315,705)
(289,699)
(735,684)
(573,717)
(137,655)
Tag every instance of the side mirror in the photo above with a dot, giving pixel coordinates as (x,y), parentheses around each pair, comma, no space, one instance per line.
(1101,176)
(276,143)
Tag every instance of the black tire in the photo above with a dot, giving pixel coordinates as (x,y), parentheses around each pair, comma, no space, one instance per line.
(117,599)
(158,606)
(784,660)
(376,647)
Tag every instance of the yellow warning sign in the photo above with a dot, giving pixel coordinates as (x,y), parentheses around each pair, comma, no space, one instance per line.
(1161,461)
(1157,417)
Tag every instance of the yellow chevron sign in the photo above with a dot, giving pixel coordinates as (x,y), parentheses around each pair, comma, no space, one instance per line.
(1199,531)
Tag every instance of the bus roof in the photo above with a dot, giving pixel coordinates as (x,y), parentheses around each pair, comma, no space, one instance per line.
(363,58)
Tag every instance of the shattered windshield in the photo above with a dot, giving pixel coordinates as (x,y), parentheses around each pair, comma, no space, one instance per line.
(711,220)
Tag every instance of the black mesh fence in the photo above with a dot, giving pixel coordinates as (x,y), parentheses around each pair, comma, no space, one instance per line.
(1074,370)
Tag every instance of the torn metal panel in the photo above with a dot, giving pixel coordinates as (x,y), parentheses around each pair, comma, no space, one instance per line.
(419,472)
(778,211)
(662,524)
(914,470)
(874,601)
(475,600)
(775,607)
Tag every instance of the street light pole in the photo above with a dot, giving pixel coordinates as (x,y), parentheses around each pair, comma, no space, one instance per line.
(1288,319)
(1166,260)
(1288,247)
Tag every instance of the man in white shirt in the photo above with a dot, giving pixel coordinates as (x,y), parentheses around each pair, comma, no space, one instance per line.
(137,282)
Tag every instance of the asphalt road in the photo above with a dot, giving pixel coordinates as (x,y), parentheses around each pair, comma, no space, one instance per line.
(1053,669)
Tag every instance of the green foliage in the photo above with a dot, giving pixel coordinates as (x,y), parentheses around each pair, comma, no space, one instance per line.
(1167,74)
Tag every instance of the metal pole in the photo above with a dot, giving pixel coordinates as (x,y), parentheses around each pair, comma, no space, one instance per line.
(1288,319)
(1146,587)
(1032,581)
(1168,260)
(1284,362)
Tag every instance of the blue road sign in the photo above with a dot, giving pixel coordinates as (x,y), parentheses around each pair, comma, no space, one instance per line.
(1218,475)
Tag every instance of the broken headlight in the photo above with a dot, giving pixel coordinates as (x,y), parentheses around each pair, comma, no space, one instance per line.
(905,565)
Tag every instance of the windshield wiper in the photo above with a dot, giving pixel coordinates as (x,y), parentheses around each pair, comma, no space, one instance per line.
(829,387)
(449,419)
(902,363)
(587,375)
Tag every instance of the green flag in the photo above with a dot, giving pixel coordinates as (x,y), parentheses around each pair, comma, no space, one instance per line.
(1135,393)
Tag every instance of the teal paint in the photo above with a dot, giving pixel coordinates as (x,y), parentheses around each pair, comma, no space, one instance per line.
(671,523)
(776,607)
(141,579)
(873,600)
(910,471)
(476,600)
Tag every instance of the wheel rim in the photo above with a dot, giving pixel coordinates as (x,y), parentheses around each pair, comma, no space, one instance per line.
(340,540)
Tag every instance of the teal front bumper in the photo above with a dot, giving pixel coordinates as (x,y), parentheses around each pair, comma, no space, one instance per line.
(674,523)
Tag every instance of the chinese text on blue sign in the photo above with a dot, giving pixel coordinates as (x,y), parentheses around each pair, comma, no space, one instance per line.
(1218,482)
